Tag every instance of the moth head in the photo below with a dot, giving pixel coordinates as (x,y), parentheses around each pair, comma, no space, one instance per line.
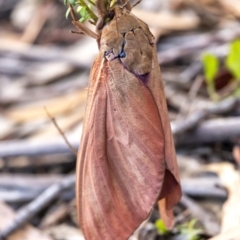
(109,55)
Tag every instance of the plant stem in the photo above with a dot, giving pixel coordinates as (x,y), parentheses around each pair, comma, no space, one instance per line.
(92,2)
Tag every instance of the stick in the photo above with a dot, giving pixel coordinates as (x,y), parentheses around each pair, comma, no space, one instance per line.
(210,224)
(193,47)
(194,119)
(214,130)
(61,132)
(36,148)
(27,212)
(22,187)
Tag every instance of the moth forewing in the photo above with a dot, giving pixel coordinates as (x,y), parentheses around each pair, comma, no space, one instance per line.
(126,161)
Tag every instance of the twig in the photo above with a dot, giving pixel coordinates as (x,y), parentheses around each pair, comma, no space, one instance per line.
(18,50)
(30,148)
(37,21)
(25,188)
(35,148)
(192,47)
(27,212)
(194,119)
(204,187)
(210,224)
(54,215)
(190,98)
(214,130)
(73,150)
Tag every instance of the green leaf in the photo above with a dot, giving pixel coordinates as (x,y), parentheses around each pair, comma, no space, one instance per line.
(83,19)
(83,12)
(79,9)
(211,66)
(161,228)
(237,92)
(112,3)
(65,2)
(72,2)
(189,231)
(67,12)
(233,59)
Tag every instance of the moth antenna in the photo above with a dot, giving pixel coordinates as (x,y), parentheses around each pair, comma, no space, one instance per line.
(73,150)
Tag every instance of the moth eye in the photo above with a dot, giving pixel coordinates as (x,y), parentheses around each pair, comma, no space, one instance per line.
(122,54)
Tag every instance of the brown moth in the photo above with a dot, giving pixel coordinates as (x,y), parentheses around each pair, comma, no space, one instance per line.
(126,161)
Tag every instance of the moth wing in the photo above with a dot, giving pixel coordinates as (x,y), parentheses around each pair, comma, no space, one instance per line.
(121,163)
(171,190)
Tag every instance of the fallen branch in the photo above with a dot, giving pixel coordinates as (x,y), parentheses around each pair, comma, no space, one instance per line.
(23,187)
(28,232)
(73,150)
(199,43)
(57,145)
(195,118)
(36,148)
(27,212)
(208,220)
(214,130)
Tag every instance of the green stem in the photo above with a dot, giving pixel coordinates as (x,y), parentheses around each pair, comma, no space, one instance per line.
(92,2)
(212,92)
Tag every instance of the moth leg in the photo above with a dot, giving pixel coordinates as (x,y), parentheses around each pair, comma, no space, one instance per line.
(83,29)
(126,4)
(102,13)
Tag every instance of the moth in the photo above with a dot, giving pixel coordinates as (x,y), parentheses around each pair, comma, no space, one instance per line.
(126,161)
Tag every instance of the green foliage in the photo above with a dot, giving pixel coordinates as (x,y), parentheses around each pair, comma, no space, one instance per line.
(211,67)
(67,12)
(84,13)
(189,231)
(232,63)
(84,8)
(233,59)
(112,3)
(72,2)
(161,228)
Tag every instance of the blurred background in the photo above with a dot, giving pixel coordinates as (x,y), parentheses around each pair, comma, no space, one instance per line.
(44,66)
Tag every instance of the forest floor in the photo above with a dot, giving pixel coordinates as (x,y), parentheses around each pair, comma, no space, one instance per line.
(43,65)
